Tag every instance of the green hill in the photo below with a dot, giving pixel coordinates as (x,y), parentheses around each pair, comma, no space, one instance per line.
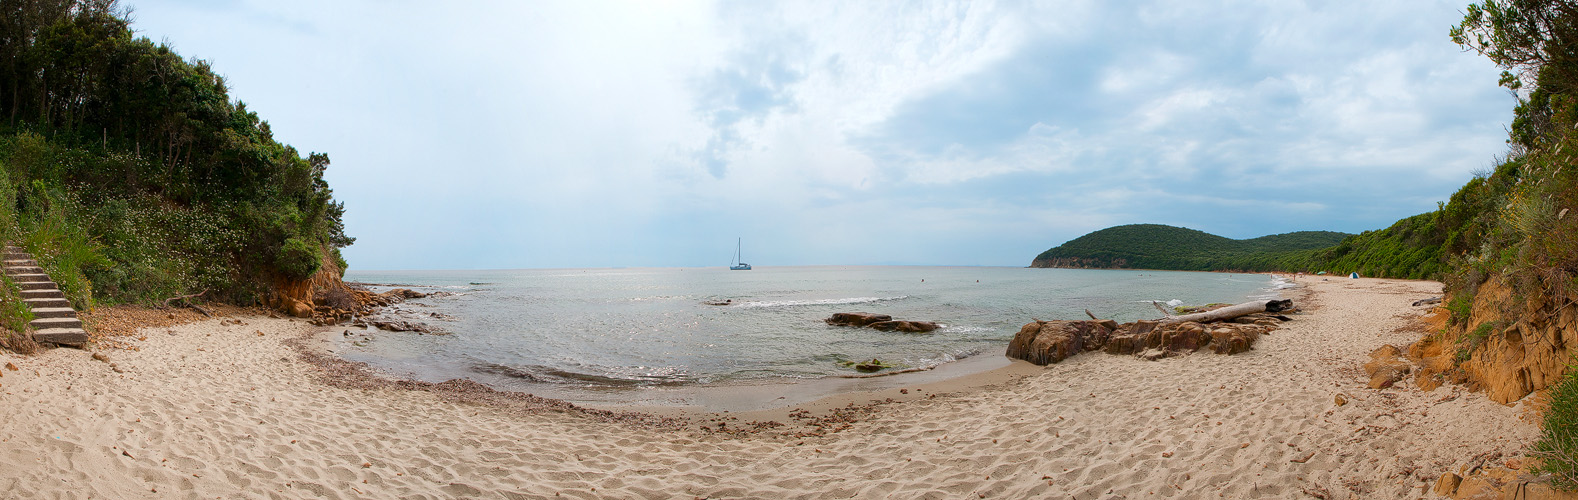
(134,176)
(1156,246)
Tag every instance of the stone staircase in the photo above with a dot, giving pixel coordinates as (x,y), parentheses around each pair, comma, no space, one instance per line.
(54,321)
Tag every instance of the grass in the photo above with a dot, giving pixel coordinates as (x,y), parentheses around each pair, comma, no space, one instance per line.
(1471,342)
(1557,447)
(14,317)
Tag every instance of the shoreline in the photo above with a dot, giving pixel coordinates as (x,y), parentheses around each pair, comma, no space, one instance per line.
(225,407)
(694,397)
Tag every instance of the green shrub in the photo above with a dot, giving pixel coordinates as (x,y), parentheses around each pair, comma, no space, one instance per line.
(1460,307)
(1469,343)
(61,245)
(1557,447)
(297,259)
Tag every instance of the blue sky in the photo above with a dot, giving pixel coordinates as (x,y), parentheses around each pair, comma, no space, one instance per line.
(491,135)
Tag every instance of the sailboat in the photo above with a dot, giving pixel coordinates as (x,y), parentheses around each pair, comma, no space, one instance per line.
(735,264)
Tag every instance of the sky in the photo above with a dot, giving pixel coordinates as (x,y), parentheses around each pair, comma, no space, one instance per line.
(503,135)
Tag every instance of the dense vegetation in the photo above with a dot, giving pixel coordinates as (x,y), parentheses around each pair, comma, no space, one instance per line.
(1515,226)
(132,175)
(1156,246)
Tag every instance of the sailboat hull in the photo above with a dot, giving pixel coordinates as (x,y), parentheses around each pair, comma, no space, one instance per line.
(740,267)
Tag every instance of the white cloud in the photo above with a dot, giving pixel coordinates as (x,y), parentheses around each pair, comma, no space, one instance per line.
(637,133)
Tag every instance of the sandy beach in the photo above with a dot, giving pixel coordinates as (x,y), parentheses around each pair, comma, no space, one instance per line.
(231,408)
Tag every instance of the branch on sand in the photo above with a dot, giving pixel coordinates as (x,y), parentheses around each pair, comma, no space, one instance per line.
(186,300)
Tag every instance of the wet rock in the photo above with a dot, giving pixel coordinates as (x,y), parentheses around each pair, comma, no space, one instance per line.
(905,326)
(856,319)
(406,293)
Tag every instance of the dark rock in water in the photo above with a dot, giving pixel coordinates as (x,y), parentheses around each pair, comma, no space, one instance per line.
(856,319)
(905,326)
(395,325)
(881,322)
(718,302)
(407,293)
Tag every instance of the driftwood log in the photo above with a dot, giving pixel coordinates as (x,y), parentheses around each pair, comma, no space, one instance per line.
(1229,312)
(187,301)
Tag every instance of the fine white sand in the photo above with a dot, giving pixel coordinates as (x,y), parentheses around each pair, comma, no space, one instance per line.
(211,410)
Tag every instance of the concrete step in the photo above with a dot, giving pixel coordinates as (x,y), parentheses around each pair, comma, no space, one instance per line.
(16,256)
(42,323)
(11,270)
(37,285)
(63,336)
(19,262)
(29,277)
(49,302)
(50,293)
(54,312)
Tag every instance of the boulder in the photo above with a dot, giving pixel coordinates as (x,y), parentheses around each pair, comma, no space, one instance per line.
(856,319)
(1186,336)
(1447,484)
(1134,337)
(905,326)
(1234,339)
(298,308)
(1386,367)
(1047,342)
(407,293)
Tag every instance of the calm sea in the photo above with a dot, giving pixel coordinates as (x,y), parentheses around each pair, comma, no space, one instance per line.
(605,329)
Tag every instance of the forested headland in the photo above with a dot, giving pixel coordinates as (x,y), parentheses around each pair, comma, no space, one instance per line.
(1157,246)
(133,176)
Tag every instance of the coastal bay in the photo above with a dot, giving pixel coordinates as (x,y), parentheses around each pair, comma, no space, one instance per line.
(239,407)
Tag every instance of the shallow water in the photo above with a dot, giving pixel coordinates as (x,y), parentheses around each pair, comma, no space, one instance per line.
(605,329)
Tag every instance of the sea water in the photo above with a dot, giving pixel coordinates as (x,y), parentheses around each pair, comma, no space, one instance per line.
(599,331)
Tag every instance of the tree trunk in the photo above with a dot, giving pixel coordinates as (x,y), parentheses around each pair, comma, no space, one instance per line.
(1235,311)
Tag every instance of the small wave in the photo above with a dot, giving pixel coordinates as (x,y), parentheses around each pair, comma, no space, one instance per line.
(967,329)
(820,302)
(924,364)
(658,297)
(619,377)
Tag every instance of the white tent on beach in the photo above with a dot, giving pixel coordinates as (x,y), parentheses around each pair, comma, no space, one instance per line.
(1353,275)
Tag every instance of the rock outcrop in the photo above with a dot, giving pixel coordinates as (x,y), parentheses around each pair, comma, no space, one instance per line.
(856,319)
(880,322)
(1046,342)
(1387,367)
(904,326)
(1506,346)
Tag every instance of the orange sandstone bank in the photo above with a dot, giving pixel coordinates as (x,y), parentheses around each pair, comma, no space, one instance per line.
(220,409)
